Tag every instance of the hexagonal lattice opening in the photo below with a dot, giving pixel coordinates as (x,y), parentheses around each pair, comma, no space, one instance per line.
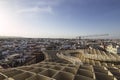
(64,76)
(49,72)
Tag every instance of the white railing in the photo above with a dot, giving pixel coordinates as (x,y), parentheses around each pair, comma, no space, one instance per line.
(71,59)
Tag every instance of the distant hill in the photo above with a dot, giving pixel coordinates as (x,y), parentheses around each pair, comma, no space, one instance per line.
(10,37)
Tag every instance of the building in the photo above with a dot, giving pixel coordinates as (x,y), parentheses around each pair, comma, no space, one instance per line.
(113,49)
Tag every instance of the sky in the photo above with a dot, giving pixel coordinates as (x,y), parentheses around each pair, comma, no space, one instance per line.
(59,18)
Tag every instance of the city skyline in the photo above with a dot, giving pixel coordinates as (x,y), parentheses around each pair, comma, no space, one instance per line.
(59,18)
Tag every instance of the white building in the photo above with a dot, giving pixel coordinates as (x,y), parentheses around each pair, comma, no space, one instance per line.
(111,49)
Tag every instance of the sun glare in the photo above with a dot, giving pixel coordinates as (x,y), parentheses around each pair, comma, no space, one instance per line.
(7,22)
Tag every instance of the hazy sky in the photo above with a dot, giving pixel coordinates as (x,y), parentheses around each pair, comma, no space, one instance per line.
(59,18)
